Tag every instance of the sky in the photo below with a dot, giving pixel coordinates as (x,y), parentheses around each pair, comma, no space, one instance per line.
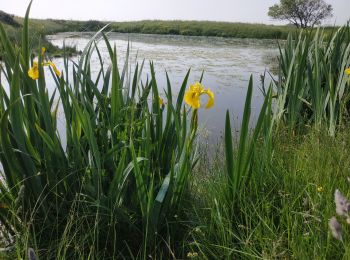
(252,11)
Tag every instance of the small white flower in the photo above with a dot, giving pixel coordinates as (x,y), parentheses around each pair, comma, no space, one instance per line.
(341,203)
(336,229)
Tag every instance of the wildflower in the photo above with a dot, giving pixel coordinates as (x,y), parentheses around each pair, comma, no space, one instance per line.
(33,72)
(347,71)
(336,229)
(341,203)
(53,66)
(193,94)
(320,189)
(161,101)
(192,254)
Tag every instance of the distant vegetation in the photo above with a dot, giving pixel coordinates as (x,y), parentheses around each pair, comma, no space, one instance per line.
(8,19)
(303,13)
(205,28)
(190,28)
(38,30)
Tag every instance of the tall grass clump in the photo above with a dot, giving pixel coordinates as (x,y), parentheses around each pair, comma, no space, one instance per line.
(313,87)
(219,208)
(112,188)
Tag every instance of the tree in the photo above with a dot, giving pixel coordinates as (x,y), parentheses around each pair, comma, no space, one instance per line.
(302,13)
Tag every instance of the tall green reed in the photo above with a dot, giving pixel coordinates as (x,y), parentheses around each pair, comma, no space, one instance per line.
(238,165)
(123,171)
(312,85)
(219,233)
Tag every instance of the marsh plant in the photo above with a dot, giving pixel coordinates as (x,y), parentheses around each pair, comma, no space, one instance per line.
(114,186)
(312,88)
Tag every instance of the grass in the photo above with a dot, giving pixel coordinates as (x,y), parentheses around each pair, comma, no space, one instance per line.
(282,214)
(311,88)
(132,181)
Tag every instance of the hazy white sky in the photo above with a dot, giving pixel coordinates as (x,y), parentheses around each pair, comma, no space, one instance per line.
(254,11)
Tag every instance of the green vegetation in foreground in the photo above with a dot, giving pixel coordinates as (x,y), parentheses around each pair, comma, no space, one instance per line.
(130,183)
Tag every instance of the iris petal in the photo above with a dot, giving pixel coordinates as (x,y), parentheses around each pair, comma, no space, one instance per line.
(192,96)
(210,94)
(33,72)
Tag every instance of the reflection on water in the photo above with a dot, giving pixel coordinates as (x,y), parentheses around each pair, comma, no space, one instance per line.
(228,64)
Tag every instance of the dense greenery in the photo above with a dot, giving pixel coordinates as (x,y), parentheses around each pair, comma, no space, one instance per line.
(8,19)
(284,209)
(190,28)
(128,182)
(13,26)
(204,28)
(122,170)
(313,87)
(193,28)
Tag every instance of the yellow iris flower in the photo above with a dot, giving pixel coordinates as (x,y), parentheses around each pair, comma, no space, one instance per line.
(192,96)
(33,72)
(161,102)
(347,71)
(53,66)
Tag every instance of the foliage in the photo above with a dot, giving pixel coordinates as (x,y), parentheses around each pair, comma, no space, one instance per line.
(119,187)
(37,37)
(238,166)
(112,187)
(301,13)
(284,209)
(313,87)
(190,28)
(8,19)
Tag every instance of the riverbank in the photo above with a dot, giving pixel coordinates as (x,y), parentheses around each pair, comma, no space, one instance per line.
(173,27)
(37,33)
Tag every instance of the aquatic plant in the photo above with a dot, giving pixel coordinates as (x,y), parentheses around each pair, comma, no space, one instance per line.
(119,178)
(312,87)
